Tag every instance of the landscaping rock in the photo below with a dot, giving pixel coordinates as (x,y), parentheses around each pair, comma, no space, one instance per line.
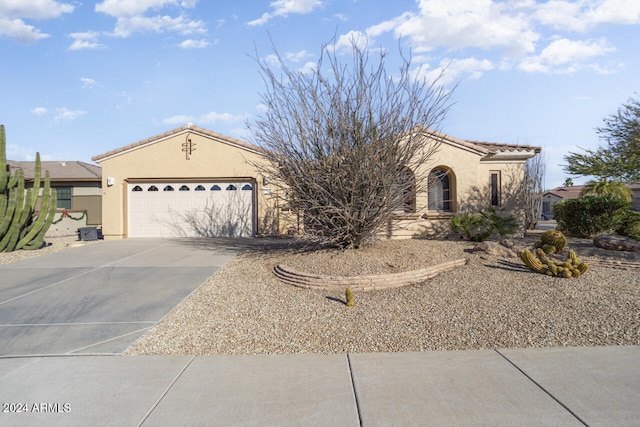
(493,248)
(614,242)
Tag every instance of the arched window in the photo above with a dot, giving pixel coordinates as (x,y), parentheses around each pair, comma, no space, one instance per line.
(439,190)
(152,188)
(168,188)
(184,188)
(247,187)
(136,188)
(231,187)
(216,187)
(200,188)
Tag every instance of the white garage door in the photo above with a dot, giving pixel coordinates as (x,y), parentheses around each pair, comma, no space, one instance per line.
(193,209)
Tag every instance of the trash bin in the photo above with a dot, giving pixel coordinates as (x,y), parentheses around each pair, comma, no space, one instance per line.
(87,233)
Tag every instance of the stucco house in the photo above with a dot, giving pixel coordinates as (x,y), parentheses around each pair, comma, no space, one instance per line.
(78,187)
(556,195)
(194,182)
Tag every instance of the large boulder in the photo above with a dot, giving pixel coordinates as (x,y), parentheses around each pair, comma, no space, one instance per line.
(614,242)
(493,248)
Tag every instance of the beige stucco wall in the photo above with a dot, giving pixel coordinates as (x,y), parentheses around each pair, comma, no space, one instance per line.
(165,159)
(470,174)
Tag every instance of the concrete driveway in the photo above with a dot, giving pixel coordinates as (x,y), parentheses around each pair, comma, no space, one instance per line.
(99,298)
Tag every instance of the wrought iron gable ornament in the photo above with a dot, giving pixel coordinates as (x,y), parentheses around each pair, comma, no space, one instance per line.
(188,146)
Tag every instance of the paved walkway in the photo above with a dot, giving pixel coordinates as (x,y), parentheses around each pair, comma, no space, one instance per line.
(594,386)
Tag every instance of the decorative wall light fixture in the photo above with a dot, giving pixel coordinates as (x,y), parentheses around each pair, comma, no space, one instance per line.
(188,146)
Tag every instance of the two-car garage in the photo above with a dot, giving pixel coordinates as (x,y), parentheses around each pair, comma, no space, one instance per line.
(190,209)
(188,182)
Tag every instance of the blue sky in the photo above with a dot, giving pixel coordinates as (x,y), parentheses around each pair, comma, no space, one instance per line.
(81,78)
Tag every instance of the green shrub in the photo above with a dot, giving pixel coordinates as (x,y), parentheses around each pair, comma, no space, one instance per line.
(628,224)
(589,216)
(479,226)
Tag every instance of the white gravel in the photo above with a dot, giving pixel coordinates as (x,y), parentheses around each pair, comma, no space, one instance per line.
(492,302)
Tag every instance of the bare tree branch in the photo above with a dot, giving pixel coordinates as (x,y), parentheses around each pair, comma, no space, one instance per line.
(341,140)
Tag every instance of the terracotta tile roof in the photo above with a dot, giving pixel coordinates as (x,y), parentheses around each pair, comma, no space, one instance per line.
(190,128)
(486,148)
(571,192)
(60,170)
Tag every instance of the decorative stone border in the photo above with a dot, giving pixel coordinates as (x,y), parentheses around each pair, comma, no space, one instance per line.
(362,283)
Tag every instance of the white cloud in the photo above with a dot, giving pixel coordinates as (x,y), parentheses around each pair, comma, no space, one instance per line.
(66,114)
(16,29)
(582,15)
(213,117)
(86,40)
(566,56)
(346,42)
(34,9)
(285,7)
(453,70)
(125,26)
(131,18)
(481,24)
(121,8)
(88,83)
(207,118)
(39,111)
(297,56)
(615,12)
(194,44)
(308,67)
(14,12)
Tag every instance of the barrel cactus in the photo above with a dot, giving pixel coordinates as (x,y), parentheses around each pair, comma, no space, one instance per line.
(20,226)
(542,263)
(552,242)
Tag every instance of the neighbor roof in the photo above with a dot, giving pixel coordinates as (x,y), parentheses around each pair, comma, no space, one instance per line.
(570,192)
(187,128)
(60,170)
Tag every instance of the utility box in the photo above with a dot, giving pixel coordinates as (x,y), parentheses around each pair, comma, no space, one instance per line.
(87,233)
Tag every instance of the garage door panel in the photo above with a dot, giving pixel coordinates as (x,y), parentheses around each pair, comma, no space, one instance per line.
(205,213)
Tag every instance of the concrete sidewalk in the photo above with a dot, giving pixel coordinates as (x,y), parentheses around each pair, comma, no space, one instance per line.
(595,386)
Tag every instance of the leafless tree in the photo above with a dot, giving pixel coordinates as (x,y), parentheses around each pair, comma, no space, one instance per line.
(533,187)
(342,141)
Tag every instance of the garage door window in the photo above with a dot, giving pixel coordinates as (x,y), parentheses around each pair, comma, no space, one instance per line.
(231,187)
(136,188)
(184,188)
(153,188)
(247,187)
(200,188)
(168,188)
(216,188)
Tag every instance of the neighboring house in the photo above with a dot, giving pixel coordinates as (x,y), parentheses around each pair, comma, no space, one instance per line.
(558,194)
(551,197)
(194,182)
(78,187)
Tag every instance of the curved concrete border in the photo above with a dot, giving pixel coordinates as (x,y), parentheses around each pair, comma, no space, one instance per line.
(362,283)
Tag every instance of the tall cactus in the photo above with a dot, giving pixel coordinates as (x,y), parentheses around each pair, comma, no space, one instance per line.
(20,227)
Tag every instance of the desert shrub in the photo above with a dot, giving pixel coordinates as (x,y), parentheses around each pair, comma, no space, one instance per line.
(478,226)
(628,224)
(589,216)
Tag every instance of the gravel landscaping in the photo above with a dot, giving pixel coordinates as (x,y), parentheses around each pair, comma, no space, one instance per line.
(492,302)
